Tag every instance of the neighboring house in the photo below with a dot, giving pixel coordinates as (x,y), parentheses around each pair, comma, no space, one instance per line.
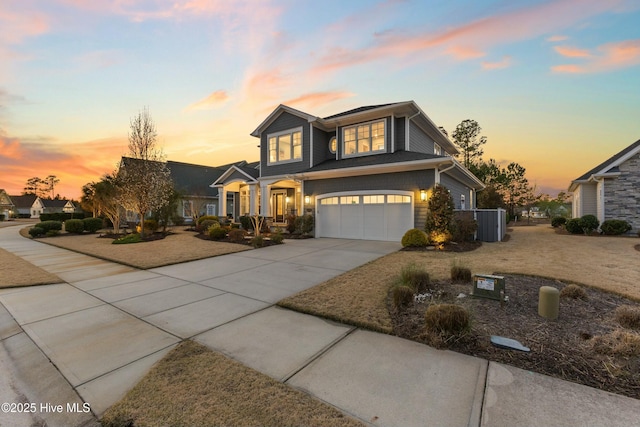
(199,195)
(611,189)
(6,205)
(535,212)
(364,174)
(23,204)
(48,206)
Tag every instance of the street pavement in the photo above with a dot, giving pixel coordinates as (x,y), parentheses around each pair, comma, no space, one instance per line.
(86,341)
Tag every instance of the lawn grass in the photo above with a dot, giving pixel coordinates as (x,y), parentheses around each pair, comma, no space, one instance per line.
(18,272)
(194,386)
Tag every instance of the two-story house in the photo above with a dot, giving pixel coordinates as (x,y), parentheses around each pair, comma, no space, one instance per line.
(364,174)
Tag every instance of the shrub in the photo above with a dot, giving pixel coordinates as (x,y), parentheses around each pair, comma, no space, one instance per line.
(207,218)
(129,238)
(50,225)
(246,223)
(615,227)
(150,225)
(440,215)
(464,228)
(574,226)
(235,225)
(236,235)
(402,296)
(574,292)
(53,233)
(460,274)
(291,224)
(93,224)
(216,232)
(439,238)
(589,223)
(417,279)
(304,224)
(447,319)
(277,238)
(628,316)
(558,221)
(257,242)
(415,238)
(177,220)
(75,226)
(36,232)
(205,225)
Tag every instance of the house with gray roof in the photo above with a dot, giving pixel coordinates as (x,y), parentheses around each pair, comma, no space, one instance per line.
(22,204)
(47,206)
(611,189)
(6,205)
(365,173)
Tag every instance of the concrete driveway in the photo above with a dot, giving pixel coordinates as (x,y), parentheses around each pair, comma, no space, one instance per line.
(106,326)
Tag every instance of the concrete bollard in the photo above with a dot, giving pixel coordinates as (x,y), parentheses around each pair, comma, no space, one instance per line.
(549,302)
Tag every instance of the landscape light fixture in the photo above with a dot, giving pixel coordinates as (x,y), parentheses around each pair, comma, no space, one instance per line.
(423,195)
(307,200)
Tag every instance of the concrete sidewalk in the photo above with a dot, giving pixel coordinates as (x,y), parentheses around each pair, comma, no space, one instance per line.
(92,338)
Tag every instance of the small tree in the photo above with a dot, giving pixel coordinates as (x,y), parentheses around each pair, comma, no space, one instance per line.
(50,183)
(440,215)
(106,199)
(466,136)
(144,178)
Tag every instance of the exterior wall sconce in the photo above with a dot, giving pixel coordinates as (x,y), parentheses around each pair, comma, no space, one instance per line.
(307,200)
(287,199)
(423,195)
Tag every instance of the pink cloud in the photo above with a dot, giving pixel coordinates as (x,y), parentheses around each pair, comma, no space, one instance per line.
(572,52)
(504,63)
(463,53)
(607,57)
(215,99)
(474,36)
(316,99)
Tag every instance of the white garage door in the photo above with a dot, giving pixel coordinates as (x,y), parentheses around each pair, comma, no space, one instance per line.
(369,216)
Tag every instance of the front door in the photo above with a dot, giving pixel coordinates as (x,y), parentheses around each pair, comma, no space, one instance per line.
(279,206)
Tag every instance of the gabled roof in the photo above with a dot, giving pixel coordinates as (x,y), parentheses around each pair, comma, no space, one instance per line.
(244,173)
(609,166)
(54,203)
(371,112)
(194,180)
(276,113)
(24,201)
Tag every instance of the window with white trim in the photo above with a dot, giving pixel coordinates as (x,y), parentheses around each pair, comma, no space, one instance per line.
(285,146)
(437,150)
(211,209)
(333,145)
(364,138)
(187,208)
(373,200)
(395,198)
(329,201)
(350,200)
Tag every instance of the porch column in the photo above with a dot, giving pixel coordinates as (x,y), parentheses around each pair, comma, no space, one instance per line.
(222,202)
(265,194)
(253,199)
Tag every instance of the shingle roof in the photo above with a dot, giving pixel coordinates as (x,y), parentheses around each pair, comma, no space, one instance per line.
(53,203)
(194,180)
(357,110)
(609,161)
(378,159)
(24,201)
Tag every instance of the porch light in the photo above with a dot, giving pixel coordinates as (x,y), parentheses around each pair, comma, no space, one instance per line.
(423,195)
(307,200)
(287,199)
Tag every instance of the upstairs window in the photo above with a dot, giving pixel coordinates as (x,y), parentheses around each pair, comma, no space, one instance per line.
(285,146)
(437,150)
(364,139)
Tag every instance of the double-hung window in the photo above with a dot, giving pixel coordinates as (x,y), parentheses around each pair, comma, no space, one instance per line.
(366,138)
(285,146)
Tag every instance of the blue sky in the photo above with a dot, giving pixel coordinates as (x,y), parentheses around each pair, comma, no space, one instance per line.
(555,85)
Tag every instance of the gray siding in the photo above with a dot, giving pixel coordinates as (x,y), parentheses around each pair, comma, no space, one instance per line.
(400,133)
(285,122)
(387,135)
(321,146)
(419,141)
(412,181)
(457,189)
(622,199)
(236,175)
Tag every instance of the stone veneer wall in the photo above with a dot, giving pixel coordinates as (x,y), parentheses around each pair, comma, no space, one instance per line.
(622,195)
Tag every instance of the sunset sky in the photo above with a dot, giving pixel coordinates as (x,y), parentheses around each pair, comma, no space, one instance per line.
(555,85)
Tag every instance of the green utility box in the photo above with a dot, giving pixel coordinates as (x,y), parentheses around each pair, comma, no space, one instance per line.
(488,286)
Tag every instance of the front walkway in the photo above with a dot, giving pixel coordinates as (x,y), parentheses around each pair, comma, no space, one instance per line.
(105,327)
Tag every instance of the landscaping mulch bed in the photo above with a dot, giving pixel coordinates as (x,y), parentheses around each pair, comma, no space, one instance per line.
(447,247)
(585,344)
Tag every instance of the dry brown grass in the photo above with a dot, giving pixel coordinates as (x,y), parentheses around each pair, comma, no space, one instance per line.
(194,386)
(617,343)
(573,291)
(18,272)
(628,316)
(181,246)
(358,297)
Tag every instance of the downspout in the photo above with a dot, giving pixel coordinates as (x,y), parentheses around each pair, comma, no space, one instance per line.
(438,171)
